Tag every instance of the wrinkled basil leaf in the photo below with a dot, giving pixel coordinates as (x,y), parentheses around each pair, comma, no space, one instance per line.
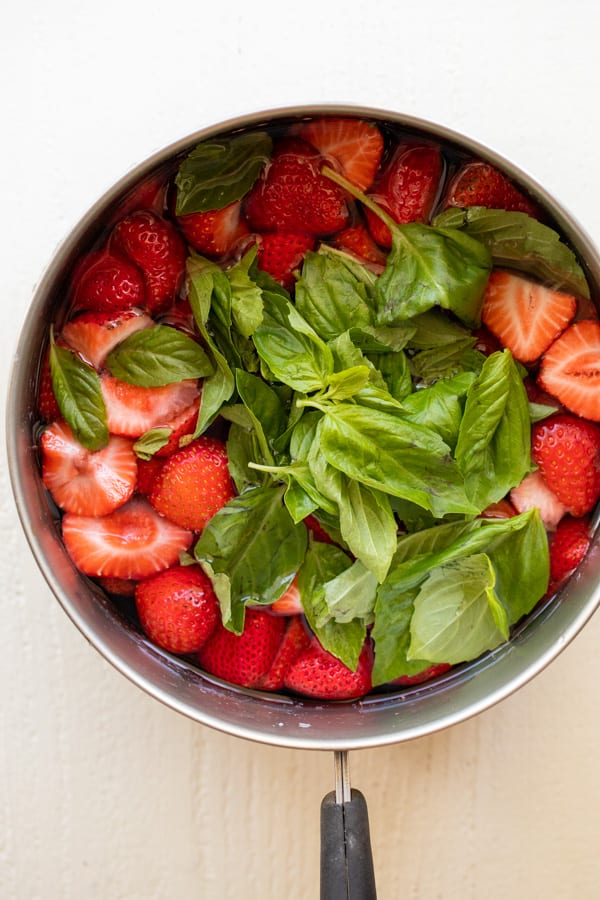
(330,296)
(157,356)
(76,386)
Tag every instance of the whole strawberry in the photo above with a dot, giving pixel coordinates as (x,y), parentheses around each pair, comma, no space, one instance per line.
(293,195)
(193,484)
(107,282)
(216,231)
(280,253)
(570,542)
(177,608)
(317,673)
(157,248)
(567,451)
(296,639)
(480,184)
(246,658)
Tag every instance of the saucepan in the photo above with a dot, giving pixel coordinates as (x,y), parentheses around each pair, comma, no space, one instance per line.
(379,719)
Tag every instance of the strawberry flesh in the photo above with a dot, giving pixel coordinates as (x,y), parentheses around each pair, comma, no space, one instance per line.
(131,410)
(570,369)
(533,492)
(354,144)
(94,334)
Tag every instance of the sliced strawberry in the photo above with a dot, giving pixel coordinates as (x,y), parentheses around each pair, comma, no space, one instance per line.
(534,492)
(178,608)
(157,248)
(289,604)
(407,189)
(182,426)
(317,530)
(293,195)
(280,254)
(132,410)
(567,451)
(425,675)
(122,587)
(47,403)
(246,658)
(215,232)
(85,482)
(105,281)
(568,546)
(131,542)
(148,470)
(355,144)
(94,334)
(570,369)
(357,241)
(193,484)
(503,509)
(525,316)
(318,674)
(480,184)
(486,342)
(296,639)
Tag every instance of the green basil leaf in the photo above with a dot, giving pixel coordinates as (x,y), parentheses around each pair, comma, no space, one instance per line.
(396,457)
(242,449)
(345,384)
(493,449)
(368,526)
(430,267)
(457,614)
(516,240)
(395,371)
(292,350)
(440,407)
(522,564)
(349,595)
(251,550)
(246,296)
(157,356)
(382,338)
(220,171)
(446,361)
(391,636)
(435,328)
(155,439)
(265,410)
(76,386)
(330,296)
(539,411)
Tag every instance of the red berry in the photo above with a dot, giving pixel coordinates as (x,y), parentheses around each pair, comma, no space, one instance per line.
(357,241)
(280,254)
(570,542)
(131,410)
(246,658)
(107,282)
(355,144)
(296,639)
(567,452)
(94,334)
(47,403)
(425,675)
(317,673)
(215,232)
(480,184)
(570,369)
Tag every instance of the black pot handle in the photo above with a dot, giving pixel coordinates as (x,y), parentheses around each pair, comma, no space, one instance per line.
(346,859)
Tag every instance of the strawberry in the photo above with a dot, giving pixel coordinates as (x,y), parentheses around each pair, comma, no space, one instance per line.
(122,587)
(567,451)
(94,334)
(215,232)
(317,530)
(317,673)
(289,604)
(355,144)
(292,194)
(47,404)
(193,484)
(147,471)
(526,317)
(480,184)
(570,369)
(570,542)
(178,608)
(85,482)
(407,188)
(246,658)
(425,675)
(296,639)
(105,281)
(157,248)
(502,509)
(486,342)
(534,492)
(131,410)
(131,542)
(182,426)
(357,241)
(280,253)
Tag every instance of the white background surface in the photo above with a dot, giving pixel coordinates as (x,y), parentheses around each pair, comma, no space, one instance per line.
(103,792)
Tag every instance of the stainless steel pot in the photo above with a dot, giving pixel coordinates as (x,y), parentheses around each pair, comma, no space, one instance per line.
(273,719)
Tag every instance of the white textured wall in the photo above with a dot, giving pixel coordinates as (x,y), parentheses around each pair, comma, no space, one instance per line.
(106,794)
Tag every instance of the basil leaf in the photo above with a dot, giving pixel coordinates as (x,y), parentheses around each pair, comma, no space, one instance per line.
(157,356)
(246,296)
(250,550)
(430,267)
(440,407)
(330,297)
(435,328)
(76,386)
(396,457)
(395,370)
(242,448)
(292,350)
(382,338)
(522,565)
(516,240)
(493,448)
(265,409)
(155,439)
(446,361)
(345,384)
(349,595)
(218,172)
(457,614)
(391,636)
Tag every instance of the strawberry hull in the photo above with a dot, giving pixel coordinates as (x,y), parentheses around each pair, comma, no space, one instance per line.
(388,717)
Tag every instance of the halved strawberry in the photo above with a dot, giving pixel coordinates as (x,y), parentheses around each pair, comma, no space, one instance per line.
(246,658)
(424,675)
(570,542)
(280,254)
(215,232)
(47,404)
(502,509)
(132,410)
(317,673)
(289,604)
(570,369)
(122,587)
(148,470)
(296,639)
(407,188)
(567,451)
(357,241)
(480,184)
(157,248)
(525,316)
(534,492)
(355,144)
(182,426)
(131,542)
(94,334)
(105,281)
(85,482)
